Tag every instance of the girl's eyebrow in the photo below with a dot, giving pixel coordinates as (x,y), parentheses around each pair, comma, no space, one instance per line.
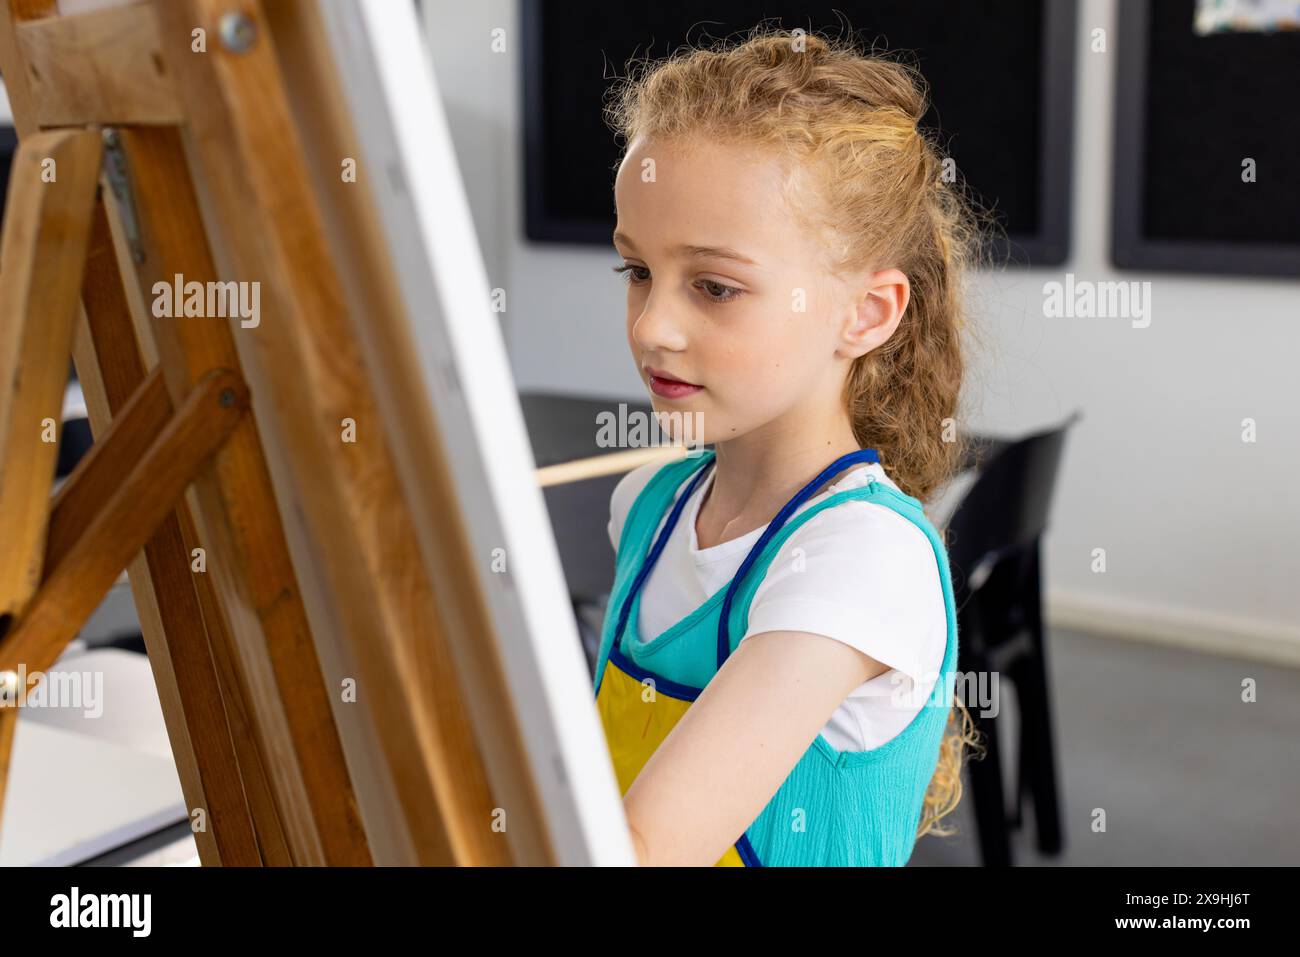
(697,252)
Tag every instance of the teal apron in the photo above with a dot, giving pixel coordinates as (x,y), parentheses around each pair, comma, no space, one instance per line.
(835,807)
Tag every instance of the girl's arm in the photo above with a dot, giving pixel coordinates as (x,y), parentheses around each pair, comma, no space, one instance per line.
(726,757)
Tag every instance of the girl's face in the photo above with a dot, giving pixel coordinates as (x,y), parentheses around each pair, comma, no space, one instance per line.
(726,291)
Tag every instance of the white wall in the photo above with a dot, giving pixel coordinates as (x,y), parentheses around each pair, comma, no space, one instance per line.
(1199,528)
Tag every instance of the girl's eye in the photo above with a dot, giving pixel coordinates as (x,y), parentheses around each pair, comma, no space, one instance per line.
(713,291)
(632,277)
(719,292)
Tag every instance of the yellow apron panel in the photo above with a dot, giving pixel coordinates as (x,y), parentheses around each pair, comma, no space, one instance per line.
(637,719)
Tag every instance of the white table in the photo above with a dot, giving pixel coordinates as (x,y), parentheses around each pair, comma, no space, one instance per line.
(80,786)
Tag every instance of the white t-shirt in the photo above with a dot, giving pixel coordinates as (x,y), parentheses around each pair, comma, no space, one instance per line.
(870,578)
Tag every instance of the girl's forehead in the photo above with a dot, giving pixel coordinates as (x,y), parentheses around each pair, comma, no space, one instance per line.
(718,161)
(730,194)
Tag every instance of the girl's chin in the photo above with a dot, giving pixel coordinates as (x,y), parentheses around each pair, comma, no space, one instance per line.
(678,426)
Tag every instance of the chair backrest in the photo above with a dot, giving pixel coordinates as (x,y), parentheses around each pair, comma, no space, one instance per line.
(1007,506)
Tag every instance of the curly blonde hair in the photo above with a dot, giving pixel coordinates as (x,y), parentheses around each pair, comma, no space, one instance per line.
(866,179)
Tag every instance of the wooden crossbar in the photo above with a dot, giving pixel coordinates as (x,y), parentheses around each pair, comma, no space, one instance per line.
(102,68)
(126,512)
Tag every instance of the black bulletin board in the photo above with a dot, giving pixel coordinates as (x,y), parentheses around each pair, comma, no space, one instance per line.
(1190,109)
(1001,75)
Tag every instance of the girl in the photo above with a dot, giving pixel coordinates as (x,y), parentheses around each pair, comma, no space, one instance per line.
(777,663)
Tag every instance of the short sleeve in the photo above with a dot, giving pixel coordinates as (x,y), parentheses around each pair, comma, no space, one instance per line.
(863,574)
(624,494)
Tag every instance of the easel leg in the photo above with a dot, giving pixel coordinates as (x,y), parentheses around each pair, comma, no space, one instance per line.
(237,518)
(51,197)
(47,221)
(217,759)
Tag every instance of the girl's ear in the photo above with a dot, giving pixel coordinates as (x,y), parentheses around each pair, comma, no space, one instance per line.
(876,311)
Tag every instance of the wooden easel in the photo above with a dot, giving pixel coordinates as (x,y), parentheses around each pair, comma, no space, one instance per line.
(223,165)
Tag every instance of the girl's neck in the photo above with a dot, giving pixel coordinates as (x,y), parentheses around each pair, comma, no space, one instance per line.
(754,476)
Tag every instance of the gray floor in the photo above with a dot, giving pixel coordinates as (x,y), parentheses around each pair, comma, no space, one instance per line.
(1186,772)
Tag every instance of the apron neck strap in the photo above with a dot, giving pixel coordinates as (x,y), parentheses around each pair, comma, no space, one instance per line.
(783,516)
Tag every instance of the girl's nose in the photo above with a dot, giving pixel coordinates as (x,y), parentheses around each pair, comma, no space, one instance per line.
(657,329)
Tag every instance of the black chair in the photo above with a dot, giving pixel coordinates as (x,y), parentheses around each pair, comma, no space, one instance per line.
(993,539)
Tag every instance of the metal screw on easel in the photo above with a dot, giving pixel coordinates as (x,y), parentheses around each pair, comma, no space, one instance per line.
(119,181)
(238,32)
(227,398)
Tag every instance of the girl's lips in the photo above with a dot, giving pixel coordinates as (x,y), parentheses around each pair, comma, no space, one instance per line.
(670,389)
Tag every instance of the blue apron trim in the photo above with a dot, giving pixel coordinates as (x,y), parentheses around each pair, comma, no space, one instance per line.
(633,670)
(653,557)
(683,693)
(746,851)
(648,495)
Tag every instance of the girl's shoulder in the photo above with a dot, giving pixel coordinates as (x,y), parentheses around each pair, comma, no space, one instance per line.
(852,520)
(859,534)
(863,573)
(627,491)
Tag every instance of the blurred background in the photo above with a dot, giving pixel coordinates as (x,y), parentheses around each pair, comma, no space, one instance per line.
(1123,540)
